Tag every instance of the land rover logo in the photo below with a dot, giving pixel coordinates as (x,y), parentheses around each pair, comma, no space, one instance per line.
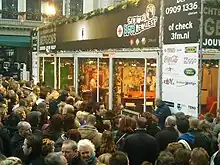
(189,71)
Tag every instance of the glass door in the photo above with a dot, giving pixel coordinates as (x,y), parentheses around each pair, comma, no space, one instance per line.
(49,71)
(210,87)
(66,70)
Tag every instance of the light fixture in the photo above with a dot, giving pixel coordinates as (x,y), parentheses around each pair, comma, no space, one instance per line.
(50,10)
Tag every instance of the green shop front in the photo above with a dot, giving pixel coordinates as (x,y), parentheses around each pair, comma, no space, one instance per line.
(110,55)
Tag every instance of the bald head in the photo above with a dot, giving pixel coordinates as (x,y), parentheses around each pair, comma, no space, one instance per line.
(170,121)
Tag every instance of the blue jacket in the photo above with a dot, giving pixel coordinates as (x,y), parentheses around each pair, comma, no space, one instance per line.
(162,112)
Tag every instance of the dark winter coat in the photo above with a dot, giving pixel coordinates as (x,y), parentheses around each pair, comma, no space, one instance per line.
(162,112)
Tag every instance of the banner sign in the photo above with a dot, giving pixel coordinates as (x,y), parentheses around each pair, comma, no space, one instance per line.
(181,21)
(211,26)
(136,26)
(34,67)
(34,38)
(47,39)
(180,77)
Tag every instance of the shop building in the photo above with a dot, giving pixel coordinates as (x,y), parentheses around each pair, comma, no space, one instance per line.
(104,57)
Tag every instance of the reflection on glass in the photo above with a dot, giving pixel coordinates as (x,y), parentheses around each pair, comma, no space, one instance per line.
(49,71)
(209,86)
(66,72)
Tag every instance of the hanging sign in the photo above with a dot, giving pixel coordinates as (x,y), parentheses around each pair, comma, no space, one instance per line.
(181,21)
(211,26)
(180,77)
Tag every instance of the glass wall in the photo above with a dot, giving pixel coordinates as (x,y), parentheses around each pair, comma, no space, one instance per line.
(76,7)
(128,79)
(33,7)
(11,6)
(49,71)
(210,86)
(66,72)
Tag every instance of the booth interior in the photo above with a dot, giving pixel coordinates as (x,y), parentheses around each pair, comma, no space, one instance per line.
(91,76)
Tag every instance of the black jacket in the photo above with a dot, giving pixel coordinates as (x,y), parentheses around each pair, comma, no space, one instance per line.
(17,142)
(6,143)
(162,112)
(140,147)
(166,136)
(77,161)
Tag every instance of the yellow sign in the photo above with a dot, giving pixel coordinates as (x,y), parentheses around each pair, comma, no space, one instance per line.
(191,49)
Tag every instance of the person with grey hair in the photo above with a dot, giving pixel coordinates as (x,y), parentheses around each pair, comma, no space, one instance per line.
(69,150)
(162,112)
(168,134)
(90,132)
(24,130)
(55,158)
(87,151)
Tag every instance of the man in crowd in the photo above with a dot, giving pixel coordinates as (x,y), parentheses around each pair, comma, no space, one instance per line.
(69,150)
(55,158)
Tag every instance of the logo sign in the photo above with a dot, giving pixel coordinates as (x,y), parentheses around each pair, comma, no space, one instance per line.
(120,31)
(192,49)
(170,50)
(189,72)
(139,23)
(180,106)
(185,83)
(170,60)
(191,107)
(169,81)
(189,60)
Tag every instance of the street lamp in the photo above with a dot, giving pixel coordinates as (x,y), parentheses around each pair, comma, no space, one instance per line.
(50,9)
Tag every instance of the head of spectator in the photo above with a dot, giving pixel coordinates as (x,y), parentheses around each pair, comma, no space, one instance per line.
(182,156)
(69,150)
(193,123)
(146,163)
(68,110)
(180,116)
(127,124)
(56,123)
(36,91)
(119,158)
(11,161)
(104,158)
(69,122)
(165,158)
(22,112)
(47,146)
(141,123)
(73,134)
(170,121)
(174,146)
(205,127)
(63,95)
(199,156)
(182,126)
(70,100)
(87,150)
(43,93)
(91,120)
(24,129)
(150,118)
(34,119)
(32,148)
(100,109)
(55,158)
(209,117)
(107,143)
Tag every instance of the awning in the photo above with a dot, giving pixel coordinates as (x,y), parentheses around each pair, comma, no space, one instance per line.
(15,41)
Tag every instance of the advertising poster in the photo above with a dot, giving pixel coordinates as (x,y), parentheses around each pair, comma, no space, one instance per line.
(180,77)
(211,26)
(181,21)
(34,68)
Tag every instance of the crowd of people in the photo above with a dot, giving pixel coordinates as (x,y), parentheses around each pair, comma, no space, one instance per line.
(43,126)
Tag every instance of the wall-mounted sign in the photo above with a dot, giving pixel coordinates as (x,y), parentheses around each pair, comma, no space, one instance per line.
(34,38)
(47,39)
(181,21)
(211,26)
(133,27)
(180,77)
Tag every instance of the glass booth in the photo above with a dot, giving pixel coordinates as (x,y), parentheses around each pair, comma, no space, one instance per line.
(128,78)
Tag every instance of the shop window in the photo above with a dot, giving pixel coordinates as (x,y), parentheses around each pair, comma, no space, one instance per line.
(11,8)
(128,83)
(34,8)
(66,72)
(49,71)
(76,7)
(209,91)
